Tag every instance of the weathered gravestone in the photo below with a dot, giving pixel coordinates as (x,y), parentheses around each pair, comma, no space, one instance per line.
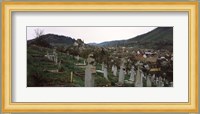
(55,56)
(133,73)
(160,82)
(105,72)
(139,76)
(102,66)
(121,72)
(149,81)
(115,70)
(112,68)
(121,75)
(89,78)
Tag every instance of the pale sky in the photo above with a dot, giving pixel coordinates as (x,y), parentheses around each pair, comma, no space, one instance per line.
(92,34)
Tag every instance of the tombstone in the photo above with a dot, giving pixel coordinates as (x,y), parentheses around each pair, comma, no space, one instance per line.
(78,57)
(102,66)
(139,76)
(47,54)
(113,68)
(133,73)
(54,57)
(71,77)
(84,63)
(121,72)
(160,82)
(153,78)
(89,78)
(115,71)
(157,82)
(56,60)
(59,65)
(105,72)
(147,67)
(149,84)
(145,56)
(54,51)
(138,52)
(121,75)
(142,76)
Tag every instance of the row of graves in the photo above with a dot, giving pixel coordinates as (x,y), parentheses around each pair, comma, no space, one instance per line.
(141,74)
(145,72)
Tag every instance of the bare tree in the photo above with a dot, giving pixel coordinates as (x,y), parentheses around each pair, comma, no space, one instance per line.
(38,32)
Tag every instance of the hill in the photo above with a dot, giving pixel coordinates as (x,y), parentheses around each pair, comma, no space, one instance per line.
(49,40)
(161,37)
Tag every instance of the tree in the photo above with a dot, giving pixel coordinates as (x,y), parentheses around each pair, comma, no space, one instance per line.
(38,32)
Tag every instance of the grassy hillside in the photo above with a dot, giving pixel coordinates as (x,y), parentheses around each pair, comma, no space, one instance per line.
(38,67)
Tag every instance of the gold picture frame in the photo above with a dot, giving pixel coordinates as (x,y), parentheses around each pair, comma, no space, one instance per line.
(9,7)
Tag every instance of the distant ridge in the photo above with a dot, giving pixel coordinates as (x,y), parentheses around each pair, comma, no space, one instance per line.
(161,36)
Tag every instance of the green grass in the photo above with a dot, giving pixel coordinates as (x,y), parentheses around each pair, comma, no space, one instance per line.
(39,76)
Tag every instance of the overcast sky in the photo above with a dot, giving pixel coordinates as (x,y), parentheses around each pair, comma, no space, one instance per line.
(92,34)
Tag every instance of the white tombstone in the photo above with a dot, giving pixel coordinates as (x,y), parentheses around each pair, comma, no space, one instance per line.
(142,76)
(139,76)
(78,57)
(47,54)
(113,68)
(157,82)
(105,72)
(160,83)
(149,84)
(59,65)
(145,56)
(138,52)
(133,73)
(115,71)
(153,78)
(121,75)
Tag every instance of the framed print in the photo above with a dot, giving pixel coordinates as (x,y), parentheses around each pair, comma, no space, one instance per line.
(100,57)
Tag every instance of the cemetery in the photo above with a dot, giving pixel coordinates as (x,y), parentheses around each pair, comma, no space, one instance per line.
(117,69)
(59,61)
